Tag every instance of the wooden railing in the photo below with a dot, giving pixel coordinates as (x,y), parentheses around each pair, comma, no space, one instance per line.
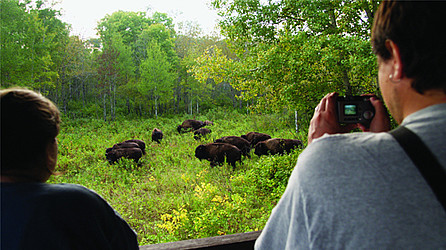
(232,241)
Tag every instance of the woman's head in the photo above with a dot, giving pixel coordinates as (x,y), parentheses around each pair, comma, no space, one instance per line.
(416,27)
(29,126)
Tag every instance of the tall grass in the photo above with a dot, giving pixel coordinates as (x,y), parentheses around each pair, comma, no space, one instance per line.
(171,195)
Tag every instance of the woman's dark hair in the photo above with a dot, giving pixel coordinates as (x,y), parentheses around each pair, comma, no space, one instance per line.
(417,27)
(29,122)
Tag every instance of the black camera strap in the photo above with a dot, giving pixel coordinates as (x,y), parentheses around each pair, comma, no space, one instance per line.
(426,162)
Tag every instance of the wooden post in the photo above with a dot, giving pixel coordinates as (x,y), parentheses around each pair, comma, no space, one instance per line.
(296,121)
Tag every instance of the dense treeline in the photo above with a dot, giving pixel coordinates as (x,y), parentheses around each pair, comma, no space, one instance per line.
(277,55)
(137,66)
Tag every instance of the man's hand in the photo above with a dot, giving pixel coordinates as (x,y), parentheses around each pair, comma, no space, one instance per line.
(324,120)
(381,120)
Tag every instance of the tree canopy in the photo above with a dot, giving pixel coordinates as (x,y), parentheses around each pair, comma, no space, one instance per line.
(275,55)
(291,52)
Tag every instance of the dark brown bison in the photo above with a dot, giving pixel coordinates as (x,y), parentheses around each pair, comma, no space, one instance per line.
(130,153)
(201,132)
(141,144)
(157,135)
(125,144)
(190,125)
(216,153)
(276,146)
(255,137)
(237,141)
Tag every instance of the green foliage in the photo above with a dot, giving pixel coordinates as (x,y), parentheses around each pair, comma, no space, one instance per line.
(170,195)
(292,52)
(156,74)
(277,55)
(32,40)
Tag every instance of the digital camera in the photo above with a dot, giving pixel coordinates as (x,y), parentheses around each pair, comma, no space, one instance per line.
(355,109)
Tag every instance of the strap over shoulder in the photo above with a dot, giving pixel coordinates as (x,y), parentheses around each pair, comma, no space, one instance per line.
(426,162)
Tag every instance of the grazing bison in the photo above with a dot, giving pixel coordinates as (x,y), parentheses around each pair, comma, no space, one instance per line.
(190,125)
(237,141)
(132,149)
(125,144)
(276,146)
(201,132)
(157,135)
(216,153)
(255,137)
(141,144)
(117,153)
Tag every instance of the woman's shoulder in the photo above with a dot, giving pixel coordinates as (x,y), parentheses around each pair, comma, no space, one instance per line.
(68,190)
(60,196)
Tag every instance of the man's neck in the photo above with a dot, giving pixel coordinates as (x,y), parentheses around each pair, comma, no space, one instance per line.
(414,101)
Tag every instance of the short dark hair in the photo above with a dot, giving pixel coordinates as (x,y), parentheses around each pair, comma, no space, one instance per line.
(417,27)
(29,122)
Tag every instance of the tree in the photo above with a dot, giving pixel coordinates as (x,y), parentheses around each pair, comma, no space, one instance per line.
(292,52)
(156,75)
(75,73)
(108,72)
(32,38)
(162,36)
(131,34)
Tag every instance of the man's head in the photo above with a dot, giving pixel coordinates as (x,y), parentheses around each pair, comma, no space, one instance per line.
(417,28)
(29,126)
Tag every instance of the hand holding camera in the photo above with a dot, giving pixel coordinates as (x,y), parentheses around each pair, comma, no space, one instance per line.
(367,111)
(336,114)
(354,109)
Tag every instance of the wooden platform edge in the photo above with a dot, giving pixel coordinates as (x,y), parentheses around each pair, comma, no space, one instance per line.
(231,241)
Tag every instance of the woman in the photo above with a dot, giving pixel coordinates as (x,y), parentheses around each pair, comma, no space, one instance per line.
(37,215)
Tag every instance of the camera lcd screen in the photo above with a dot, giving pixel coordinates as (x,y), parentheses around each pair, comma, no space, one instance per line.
(350,109)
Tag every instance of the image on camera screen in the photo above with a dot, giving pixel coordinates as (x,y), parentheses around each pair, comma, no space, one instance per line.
(350,109)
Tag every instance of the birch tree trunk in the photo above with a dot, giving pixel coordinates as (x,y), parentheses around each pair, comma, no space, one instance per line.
(105,107)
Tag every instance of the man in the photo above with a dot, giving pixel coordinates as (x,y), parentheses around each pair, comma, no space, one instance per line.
(361,190)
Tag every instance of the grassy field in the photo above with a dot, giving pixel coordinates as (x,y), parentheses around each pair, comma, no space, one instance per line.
(171,195)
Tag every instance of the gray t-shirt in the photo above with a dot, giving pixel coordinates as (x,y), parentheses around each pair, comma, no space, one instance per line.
(361,191)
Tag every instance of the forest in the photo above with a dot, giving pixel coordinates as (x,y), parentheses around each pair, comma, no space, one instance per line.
(267,70)
(272,56)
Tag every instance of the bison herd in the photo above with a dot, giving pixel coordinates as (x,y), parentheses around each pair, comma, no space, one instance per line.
(227,148)
(231,148)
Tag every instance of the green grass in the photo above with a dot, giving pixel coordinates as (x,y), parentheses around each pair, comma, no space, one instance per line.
(171,195)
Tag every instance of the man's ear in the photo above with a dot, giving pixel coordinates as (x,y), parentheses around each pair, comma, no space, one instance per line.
(395,58)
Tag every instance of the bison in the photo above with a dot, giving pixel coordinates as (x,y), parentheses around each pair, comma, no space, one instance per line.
(237,141)
(255,137)
(125,144)
(190,125)
(141,144)
(201,132)
(276,146)
(157,135)
(216,153)
(117,153)
(132,149)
